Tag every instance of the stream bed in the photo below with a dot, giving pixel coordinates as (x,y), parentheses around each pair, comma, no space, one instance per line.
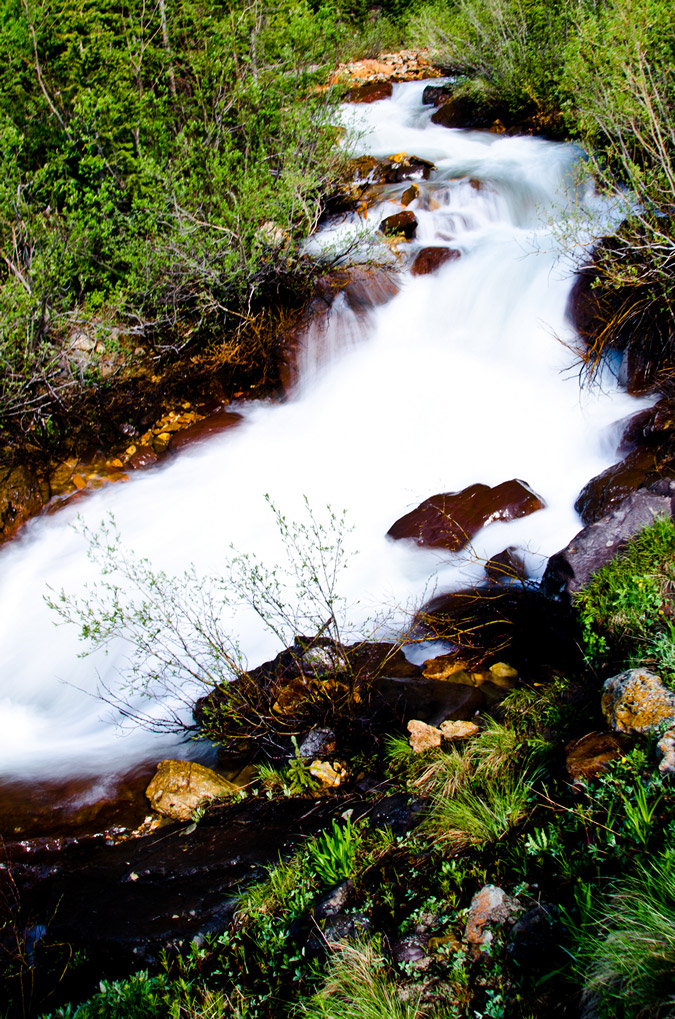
(469,374)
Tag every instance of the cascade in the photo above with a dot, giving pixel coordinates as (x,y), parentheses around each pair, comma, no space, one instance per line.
(466,375)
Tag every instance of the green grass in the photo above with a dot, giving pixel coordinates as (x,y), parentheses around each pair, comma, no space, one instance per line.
(626,609)
(626,954)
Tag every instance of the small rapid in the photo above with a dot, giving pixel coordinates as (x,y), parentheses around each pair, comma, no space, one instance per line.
(466,375)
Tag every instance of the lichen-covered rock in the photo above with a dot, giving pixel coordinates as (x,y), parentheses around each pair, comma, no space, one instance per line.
(179,787)
(422,736)
(637,701)
(490,907)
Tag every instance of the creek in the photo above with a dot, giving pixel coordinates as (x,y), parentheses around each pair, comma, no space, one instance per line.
(466,375)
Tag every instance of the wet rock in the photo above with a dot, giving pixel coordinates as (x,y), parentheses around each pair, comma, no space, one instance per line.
(465,112)
(409,195)
(179,787)
(490,907)
(430,259)
(380,659)
(333,901)
(370,93)
(403,166)
(436,95)
(643,469)
(592,754)
(213,424)
(451,519)
(444,667)
(506,567)
(636,701)
(21,497)
(404,223)
(141,458)
(422,736)
(569,570)
(319,743)
(459,730)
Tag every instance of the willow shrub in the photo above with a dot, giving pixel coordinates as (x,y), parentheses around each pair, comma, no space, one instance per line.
(619,85)
(158,165)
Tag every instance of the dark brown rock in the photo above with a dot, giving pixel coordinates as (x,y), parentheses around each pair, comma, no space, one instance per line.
(436,95)
(593,753)
(21,497)
(409,195)
(370,93)
(505,567)
(214,424)
(451,519)
(463,111)
(428,260)
(429,700)
(569,570)
(405,167)
(404,223)
(642,469)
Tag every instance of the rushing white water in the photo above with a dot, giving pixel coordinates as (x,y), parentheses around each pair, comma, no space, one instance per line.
(465,376)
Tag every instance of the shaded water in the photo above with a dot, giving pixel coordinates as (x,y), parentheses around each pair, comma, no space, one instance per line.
(465,376)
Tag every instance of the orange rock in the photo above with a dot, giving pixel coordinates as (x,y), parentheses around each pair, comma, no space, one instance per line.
(459,730)
(79,482)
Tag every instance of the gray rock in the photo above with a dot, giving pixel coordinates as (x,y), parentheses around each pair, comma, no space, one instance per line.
(334,900)
(569,570)
(319,743)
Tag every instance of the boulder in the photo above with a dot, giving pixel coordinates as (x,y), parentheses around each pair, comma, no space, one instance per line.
(450,520)
(505,567)
(334,901)
(319,743)
(636,701)
(21,497)
(466,112)
(444,667)
(569,570)
(436,95)
(490,907)
(422,736)
(411,951)
(593,753)
(430,259)
(401,223)
(370,93)
(179,787)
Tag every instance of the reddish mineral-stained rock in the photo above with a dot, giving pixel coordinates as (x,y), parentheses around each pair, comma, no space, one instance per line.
(451,519)
(370,93)
(204,429)
(428,260)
